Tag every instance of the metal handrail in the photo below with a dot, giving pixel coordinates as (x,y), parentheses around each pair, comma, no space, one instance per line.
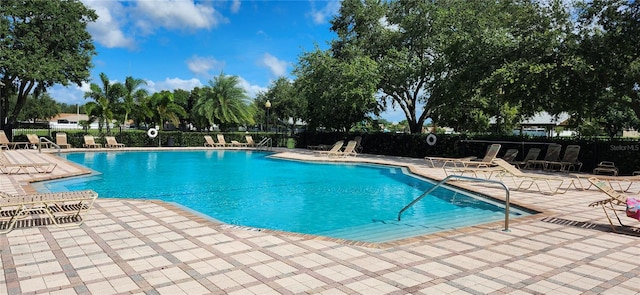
(264,141)
(506,189)
(40,139)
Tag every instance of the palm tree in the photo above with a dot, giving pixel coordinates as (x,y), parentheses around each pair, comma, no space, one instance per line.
(106,99)
(225,101)
(91,109)
(132,95)
(166,109)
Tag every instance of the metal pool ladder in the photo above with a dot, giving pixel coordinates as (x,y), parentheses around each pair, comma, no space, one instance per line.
(442,182)
(41,139)
(265,143)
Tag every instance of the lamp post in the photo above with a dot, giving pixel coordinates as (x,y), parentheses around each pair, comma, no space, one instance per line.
(267,105)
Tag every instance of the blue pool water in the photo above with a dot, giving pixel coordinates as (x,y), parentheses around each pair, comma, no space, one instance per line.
(248,188)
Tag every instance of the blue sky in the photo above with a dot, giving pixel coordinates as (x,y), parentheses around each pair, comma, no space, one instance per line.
(182,44)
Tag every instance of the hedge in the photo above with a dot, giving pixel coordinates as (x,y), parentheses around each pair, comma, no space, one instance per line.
(623,151)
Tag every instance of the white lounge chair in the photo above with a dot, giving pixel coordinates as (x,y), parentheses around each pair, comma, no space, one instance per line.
(62,209)
(6,144)
(619,183)
(554,184)
(90,142)
(349,150)
(208,141)
(112,142)
(61,140)
(250,141)
(8,167)
(615,201)
(238,144)
(486,161)
(336,148)
(34,141)
(222,141)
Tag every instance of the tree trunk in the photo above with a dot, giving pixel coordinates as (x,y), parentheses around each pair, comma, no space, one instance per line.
(415,127)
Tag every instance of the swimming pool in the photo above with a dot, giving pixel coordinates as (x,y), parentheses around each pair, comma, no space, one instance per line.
(248,188)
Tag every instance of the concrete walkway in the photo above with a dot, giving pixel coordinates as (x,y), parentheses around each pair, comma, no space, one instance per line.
(150,247)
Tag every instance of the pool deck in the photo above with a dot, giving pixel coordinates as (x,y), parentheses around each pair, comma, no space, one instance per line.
(151,247)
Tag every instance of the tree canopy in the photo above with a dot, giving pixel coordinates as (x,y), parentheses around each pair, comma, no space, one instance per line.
(42,43)
(459,62)
(610,30)
(339,92)
(286,102)
(39,108)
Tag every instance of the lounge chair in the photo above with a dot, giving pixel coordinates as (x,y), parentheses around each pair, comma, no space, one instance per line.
(358,140)
(349,150)
(62,209)
(486,172)
(250,142)
(34,141)
(552,155)
(337,147)
(112,142)
(90,142)
(532,154)
(483,171)
(236,143)
(8,167)
(528,180)
(510,155)
(492,152)
(608,205)
(606,167)
(6,144)
(208,141)
(621,183)
(61,140)
(222,141)
(320,147)
(569,160)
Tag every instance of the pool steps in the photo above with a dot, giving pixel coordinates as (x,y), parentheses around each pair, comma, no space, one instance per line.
(388,230)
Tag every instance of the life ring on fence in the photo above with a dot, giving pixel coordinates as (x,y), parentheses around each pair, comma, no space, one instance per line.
(152,133)
(431,139)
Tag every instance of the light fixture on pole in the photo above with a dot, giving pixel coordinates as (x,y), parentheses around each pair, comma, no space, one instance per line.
(267,105)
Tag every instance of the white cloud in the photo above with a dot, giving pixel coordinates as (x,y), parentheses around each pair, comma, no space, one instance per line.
(252,90)
(70,95)
(173,84)
(85,87)
(235,6)
(277,67)
(182,14)
(202,65)
(322,15)
(106,29)
(113,28)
